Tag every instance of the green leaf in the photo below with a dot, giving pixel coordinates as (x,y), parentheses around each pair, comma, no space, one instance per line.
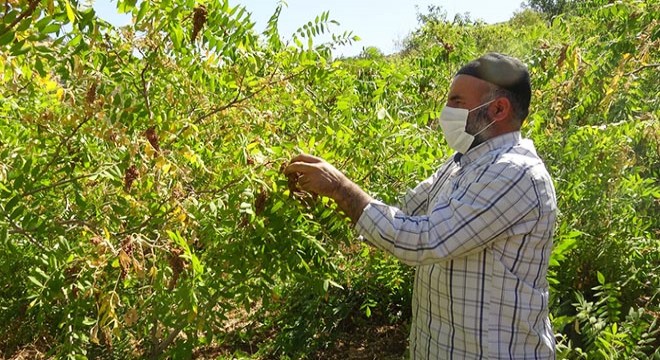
(601,278)
(177,35)
(144,7)
(7,38)
(197,265)
(11,15)
(278,205)
(75,41)
(45,21)
(42,273)
(126,6)
(39,66)
(23,25)
(11,203)
(35,281)
(51,28)
(179,240)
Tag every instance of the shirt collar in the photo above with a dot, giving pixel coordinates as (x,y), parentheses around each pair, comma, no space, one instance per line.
(505,140)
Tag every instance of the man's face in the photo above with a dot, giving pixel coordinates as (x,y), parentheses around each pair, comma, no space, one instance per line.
(468,92)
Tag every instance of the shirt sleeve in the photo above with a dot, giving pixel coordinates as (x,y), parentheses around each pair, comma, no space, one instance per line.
(414,202)
(462,221)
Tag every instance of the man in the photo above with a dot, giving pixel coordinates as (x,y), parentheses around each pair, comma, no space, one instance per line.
(479,230)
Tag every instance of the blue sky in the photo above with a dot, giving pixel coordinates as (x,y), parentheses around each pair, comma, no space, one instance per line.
(379,23)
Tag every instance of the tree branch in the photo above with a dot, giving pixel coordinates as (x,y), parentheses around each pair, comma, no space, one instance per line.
(159,348)
(61,144)
(16,229)
(61,182)
(643,67)
(32,6)
(236,100)
(165,216)
(146,222)
(145,93)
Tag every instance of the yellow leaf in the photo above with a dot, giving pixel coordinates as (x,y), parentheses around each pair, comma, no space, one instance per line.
(190,156)
(69,12)
(252,145)
(182,217)
(211,59)
(163,165)
(152,272)
(149,150)
(166,167)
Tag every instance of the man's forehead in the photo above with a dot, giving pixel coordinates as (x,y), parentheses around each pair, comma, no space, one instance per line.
(466,85)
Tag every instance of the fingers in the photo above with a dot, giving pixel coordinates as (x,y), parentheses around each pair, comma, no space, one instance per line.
(303,181)
(299,167)
(306,158)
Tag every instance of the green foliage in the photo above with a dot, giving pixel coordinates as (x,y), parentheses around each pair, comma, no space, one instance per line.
(550,8)
(143,211)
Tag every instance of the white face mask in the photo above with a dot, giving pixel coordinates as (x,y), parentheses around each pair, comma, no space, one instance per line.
(453,122)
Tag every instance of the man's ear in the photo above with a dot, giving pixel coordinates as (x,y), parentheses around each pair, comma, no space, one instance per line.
(501,109)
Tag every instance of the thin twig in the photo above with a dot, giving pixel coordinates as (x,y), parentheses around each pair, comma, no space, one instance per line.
(165,216)
(16,229)
(159,348)
(144,223)
(145,93)
(643,67)
(222,189)
(61,144)
(59,183)
(77,222)
(235,101)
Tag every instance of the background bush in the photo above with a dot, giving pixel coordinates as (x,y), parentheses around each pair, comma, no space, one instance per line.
(143,211)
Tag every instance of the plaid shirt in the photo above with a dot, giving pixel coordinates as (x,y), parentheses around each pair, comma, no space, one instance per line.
(479,232)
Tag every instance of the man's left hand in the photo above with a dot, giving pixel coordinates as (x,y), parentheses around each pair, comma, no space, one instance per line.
(316,175)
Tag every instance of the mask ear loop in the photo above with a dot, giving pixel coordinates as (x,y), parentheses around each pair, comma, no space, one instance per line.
(484,129)
(482,105)
(487,126)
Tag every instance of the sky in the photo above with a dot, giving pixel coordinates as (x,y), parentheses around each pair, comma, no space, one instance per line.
(379,23)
